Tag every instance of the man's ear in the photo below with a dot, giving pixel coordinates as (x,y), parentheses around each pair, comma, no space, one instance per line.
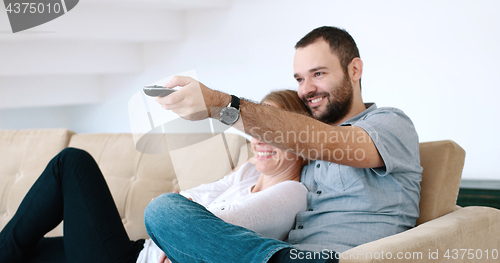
(355,69)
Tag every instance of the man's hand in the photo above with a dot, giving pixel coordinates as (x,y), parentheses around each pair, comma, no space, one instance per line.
(194,101)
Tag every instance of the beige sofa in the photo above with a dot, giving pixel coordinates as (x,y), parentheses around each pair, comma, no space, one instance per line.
(135,177)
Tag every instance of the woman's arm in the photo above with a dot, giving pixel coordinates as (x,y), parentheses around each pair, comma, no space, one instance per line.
(270,212)
(206,193)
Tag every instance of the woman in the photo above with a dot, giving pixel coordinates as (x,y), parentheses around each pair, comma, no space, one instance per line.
(72,188)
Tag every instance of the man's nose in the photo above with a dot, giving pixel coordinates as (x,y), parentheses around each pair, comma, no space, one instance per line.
(307,87)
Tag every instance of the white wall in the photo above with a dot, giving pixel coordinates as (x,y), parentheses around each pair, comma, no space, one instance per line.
(436,60)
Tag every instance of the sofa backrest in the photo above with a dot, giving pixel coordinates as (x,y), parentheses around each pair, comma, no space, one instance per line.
(23,156)
(443,162)
(135,177)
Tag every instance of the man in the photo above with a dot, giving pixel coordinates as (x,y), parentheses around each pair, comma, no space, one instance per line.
(363,181)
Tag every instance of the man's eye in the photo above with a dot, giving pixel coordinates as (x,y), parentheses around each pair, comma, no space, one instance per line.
(317,74)
(299,80)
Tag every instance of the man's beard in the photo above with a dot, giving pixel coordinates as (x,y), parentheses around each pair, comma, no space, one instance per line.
(339,102)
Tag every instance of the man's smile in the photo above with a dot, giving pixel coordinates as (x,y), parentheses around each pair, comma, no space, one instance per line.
(315,101)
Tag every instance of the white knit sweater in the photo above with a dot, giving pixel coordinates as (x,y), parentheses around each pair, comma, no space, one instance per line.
(270,212)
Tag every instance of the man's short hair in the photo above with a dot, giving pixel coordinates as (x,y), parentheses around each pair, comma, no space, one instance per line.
(341,43)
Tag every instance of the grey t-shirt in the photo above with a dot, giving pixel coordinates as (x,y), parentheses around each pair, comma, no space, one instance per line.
(350,206)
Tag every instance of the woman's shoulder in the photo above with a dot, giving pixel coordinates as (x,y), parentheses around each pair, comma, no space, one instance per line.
(245,172)
(294,187)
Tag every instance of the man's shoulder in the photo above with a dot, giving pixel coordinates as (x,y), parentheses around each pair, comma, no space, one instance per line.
(381,110)
(386,113)
(375,114)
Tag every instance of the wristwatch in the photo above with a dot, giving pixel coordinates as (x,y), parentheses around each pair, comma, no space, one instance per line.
(230,114)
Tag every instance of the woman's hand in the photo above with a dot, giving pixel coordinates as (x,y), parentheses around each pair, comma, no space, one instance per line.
(163,258)
(177,192)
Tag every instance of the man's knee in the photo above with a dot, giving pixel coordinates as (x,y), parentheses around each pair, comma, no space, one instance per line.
(162,209)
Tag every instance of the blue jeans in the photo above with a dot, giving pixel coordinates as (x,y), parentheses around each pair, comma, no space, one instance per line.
(188,232)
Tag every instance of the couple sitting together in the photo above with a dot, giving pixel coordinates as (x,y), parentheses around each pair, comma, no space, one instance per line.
(360,183)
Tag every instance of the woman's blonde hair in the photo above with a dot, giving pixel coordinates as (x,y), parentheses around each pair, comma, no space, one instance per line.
(287,100)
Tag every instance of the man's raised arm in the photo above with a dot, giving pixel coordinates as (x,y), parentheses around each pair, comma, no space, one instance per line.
(303,135)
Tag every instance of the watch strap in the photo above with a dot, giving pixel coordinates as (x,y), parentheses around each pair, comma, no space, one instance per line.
(235,102)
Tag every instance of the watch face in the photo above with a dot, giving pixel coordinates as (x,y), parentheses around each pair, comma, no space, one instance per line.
(229,115)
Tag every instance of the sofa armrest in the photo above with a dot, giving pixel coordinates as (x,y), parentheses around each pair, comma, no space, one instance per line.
(473,228)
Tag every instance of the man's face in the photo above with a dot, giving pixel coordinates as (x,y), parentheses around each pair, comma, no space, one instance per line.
(326,91)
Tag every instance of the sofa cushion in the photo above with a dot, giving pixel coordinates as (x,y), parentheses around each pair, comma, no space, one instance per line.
(24,155)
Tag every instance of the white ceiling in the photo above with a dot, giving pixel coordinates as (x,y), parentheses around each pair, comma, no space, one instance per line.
(162,4)
(95,38)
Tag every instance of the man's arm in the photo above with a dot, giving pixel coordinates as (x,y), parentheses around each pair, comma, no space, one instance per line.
(347,145)
(303,135)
